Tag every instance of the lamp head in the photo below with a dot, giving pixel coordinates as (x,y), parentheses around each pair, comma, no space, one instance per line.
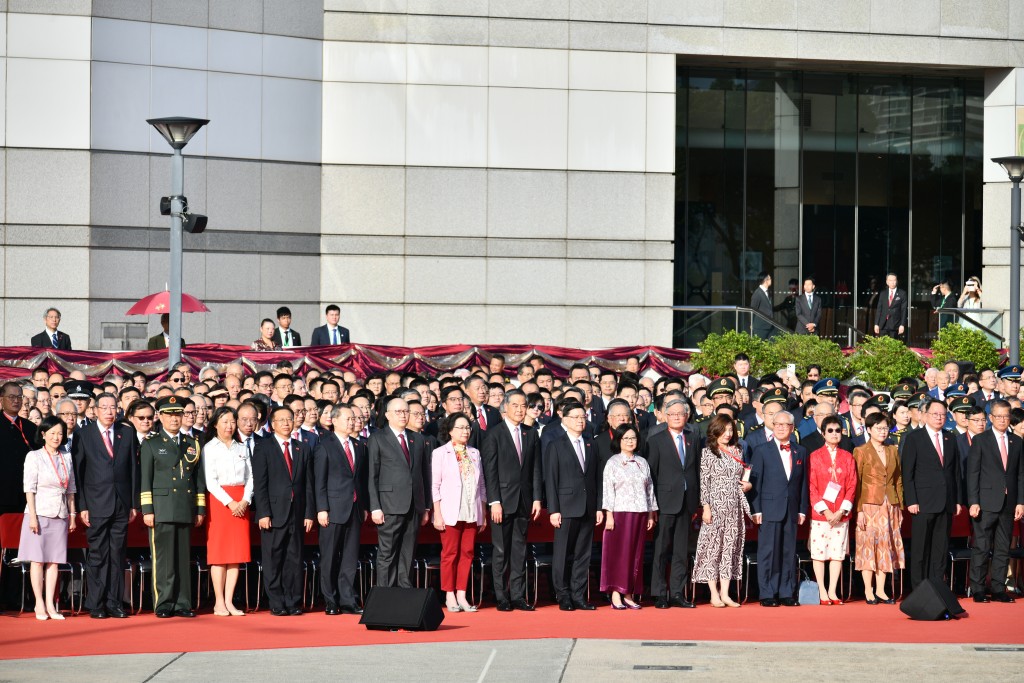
(177,130)
(1014,167)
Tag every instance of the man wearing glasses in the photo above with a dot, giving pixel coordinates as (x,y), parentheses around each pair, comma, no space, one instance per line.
(995,494)
(931,489)
(17,438)
(140,415)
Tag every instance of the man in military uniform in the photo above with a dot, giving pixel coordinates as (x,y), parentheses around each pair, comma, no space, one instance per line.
(172,500)
(720,391)
(826,390)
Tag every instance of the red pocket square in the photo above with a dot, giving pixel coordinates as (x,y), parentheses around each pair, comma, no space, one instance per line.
(799,462)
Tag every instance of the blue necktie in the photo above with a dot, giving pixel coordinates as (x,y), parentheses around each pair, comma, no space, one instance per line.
(334,335)
(682,455)
(54,340)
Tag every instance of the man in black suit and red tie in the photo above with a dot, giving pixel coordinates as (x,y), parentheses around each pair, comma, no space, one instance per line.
(339,463)
(891,316)
(475,390)
(674,458)
(512,473)
(17,438)
(995,494)
(51,337)
(105,455)
(573,484)
(931,490)
(283,501)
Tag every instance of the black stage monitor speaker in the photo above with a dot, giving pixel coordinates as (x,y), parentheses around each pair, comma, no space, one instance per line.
(412,609)
(932,601)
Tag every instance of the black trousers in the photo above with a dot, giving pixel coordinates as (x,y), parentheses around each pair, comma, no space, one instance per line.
(339,555)
(170,544)
(104,570)
(992,533)
(672,548)
(776,559)
(929,546)
(570,564)
(396,542)
(508,540)
(282,563)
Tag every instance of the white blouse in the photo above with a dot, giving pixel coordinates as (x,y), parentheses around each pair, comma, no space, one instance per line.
(227,466)
(46,477)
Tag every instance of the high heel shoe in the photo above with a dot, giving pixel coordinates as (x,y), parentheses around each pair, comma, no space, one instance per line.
(453,608)
(56,616)
(824,602)
(614,606)
(42,617)
(717,604)
(836,601)
(871,601)
(235,612)
(632,605)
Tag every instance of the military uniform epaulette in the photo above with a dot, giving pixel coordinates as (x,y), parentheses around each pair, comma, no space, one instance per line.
(703,418)
(759,425)
(152,434)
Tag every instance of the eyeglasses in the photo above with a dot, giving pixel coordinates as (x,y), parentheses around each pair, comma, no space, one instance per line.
(400,412)
(539,406)
(176,380)
(937,413)
(998,417)
(833,430)
(981,420)
(66,414)
(189,413)
(628,438)
(461,427)
(140,418)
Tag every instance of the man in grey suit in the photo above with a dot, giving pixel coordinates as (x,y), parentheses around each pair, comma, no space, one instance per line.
(808,309)
(397,492)
(761,301)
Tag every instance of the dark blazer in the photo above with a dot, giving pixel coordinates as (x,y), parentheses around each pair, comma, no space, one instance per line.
(335,482)
(296,337)
(509,482)
(101,479)
(669,475)
(396,486)
(309,438)
(816,440)
(572,492)
(477,436)
(988,484)
(774,496)
(44,341)
(926,482)
(762,303)
(157,342)
(891,317)
(979,398)
(805,314)
(321,337)
(13,449)
(275,493)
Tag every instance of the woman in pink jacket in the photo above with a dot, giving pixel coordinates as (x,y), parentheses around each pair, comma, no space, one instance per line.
(459,497)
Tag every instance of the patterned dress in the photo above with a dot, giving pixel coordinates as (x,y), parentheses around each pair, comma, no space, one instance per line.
(720,544)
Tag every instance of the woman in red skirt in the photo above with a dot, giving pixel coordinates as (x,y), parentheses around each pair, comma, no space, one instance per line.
(228,481)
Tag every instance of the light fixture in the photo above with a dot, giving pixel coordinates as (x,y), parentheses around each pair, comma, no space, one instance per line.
(177,130)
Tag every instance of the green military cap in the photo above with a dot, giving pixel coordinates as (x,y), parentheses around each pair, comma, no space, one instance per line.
(902,391)
(776,395)
(917,399)
(170,404)
(722,385)
(961,404)
(880,400)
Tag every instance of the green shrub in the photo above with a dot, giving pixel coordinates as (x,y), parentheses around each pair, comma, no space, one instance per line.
(718,351)
(807,349)
(956,342)
(880,362)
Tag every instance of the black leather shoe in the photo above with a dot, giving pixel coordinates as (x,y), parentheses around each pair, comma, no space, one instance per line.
(187,613)
(522,606)
(769,602)
(888,601)
(99,613)
(981,597)
(566,606)
(331,609)
(580,604)
(1002,597)
(164,613)
(295,612)
(680,601)
(279,612)
(118,613)
(661,602)
(350,609)
(789,602)
(504,606)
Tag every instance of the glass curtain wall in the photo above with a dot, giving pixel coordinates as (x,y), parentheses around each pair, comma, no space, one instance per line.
(838,177)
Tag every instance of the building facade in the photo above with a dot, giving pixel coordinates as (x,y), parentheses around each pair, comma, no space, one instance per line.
(487,171)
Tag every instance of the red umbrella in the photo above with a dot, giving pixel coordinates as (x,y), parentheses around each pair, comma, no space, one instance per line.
(161,303)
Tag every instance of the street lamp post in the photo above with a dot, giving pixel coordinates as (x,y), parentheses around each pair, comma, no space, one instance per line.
(177,131)
(1014,167)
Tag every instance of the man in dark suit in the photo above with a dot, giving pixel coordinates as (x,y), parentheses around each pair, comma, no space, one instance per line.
(761,301)
(995,494)
(397,491)
(332,332)
(284,335)
(943,297)
(741,365)
(816,439)
(778,472)
(512,474)
(986,389)
(306,436)
(339,464)
(931,490)
(574,503)
(17,438)
(159,341)
(808,309)
(51,337)
(105,456)
(891,316)
(674,459)
(283,500)
(483,415)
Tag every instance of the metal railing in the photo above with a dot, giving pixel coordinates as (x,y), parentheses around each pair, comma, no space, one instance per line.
(704,319)
(985,320)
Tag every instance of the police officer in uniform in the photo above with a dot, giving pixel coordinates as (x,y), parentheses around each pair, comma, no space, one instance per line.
(720,391)
(172,500)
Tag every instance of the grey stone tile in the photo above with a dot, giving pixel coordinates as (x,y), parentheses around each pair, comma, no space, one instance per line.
(376,28)
(118,274)
(907,17)
(686,12)
(445,280)
(292,111)
(232,321)
(525,204)
(764,14)
(299,18)
(528,248)
(978,19)
(517,325)
(422,324)
(23,279)
(120,189)
(694,40)
(116,237)
(526,33)
(445,246)
(81,8)
(368,279)
(530,9)
(605,249)
(291,198)
(456,8)
(237,15)
(838,15)
(626,11)
(606,206)
(446,201)
(233,189)
(48,186)
(363,200)
(612,37)
(1015,27)
(376,245)
(290,278)
(660,206)
(135,10)
(365,5)
(49,235)
(447,30)
(182,12)
(3,184)
(603,324)
(543,281)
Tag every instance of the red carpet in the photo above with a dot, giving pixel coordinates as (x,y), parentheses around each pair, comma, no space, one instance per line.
(24,637)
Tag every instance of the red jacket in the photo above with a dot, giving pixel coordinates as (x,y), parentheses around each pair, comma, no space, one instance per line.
(820,474)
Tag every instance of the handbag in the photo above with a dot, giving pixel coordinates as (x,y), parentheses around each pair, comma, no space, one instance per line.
(808,591)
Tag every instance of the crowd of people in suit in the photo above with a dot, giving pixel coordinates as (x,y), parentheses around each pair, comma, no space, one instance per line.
(609,450)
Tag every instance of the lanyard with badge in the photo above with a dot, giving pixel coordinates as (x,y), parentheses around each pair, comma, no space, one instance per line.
(832,490)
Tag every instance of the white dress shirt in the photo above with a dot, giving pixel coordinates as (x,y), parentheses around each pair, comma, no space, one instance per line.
(227,466)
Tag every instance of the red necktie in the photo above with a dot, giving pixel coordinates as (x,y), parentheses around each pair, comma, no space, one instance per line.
(784,446)
(287,457)
(1002,449)
(405,449)
(351,462)
(890,297)
(107,443)
(481,418)
(938,449)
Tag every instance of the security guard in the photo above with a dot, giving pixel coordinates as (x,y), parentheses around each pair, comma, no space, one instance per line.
(80,391)
(172,500)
